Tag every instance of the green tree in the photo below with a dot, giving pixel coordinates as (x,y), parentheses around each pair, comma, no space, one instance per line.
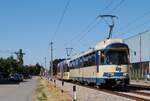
(8,66)
(20,57)
(32,69)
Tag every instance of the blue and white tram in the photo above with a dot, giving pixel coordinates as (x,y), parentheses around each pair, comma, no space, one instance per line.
(106,63)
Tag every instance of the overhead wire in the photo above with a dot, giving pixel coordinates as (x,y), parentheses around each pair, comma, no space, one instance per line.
(134,28)
(134,21)
(89,30)
(82,32)
(116,6)
(61,19)
(92,25)
(107,6)
(7,52)
(112,10)
(88,27)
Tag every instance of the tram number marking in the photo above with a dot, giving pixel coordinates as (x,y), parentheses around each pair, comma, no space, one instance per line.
(118,69)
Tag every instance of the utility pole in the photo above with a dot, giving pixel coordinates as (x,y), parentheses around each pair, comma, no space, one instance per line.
(111,25)
(51,67)
(45,61)
(139,76)
(68,52)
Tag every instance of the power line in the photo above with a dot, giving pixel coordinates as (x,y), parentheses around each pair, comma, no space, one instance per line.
(116,6)
(109,4)
(82,32)
(134,28)
(85,34)
(89,27)
(133,21)
(61,19)
(110,25)
(104,19)
(6,51)
(92,25)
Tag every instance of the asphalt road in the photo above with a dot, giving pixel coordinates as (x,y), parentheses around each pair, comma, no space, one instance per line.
(18,92)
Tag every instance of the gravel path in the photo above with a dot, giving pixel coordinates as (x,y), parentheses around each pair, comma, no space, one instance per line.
(87,94)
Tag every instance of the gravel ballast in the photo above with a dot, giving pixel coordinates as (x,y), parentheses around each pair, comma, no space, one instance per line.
(87,94)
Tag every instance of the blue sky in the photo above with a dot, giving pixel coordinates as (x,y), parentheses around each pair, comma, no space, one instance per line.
(30,25)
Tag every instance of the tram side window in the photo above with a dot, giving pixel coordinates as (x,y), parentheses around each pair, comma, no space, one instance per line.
(65,67)
(81,62)
(74,64)
(85,61)
(77,63)
(71,65)
(91,60)
(102,57)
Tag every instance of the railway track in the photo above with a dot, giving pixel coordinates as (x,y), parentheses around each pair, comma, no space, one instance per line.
(142,93)
(133,96)
(133,93)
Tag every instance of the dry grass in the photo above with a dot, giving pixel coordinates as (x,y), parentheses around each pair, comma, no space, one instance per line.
(48,92)
(40,93)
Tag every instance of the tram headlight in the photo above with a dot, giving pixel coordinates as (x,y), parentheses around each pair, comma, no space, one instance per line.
(125,74)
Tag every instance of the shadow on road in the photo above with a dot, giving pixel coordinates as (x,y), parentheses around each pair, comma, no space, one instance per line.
(5,82)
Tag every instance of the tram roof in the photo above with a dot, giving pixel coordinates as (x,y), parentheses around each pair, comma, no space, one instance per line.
(66,61)
(99,46)
(83,53)
(105,43)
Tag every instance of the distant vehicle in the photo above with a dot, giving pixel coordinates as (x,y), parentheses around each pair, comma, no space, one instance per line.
(27,76)
(13,78)
(20,77)
(16,77)
(30,77)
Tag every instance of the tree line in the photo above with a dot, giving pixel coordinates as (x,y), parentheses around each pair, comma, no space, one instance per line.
(10,66)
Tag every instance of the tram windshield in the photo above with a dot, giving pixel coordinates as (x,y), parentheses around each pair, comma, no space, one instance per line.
(116,57)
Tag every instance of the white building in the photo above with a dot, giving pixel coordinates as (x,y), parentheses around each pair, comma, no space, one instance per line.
(139,47)
(139,54)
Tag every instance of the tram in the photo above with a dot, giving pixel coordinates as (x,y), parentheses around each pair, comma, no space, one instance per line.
(105,64)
